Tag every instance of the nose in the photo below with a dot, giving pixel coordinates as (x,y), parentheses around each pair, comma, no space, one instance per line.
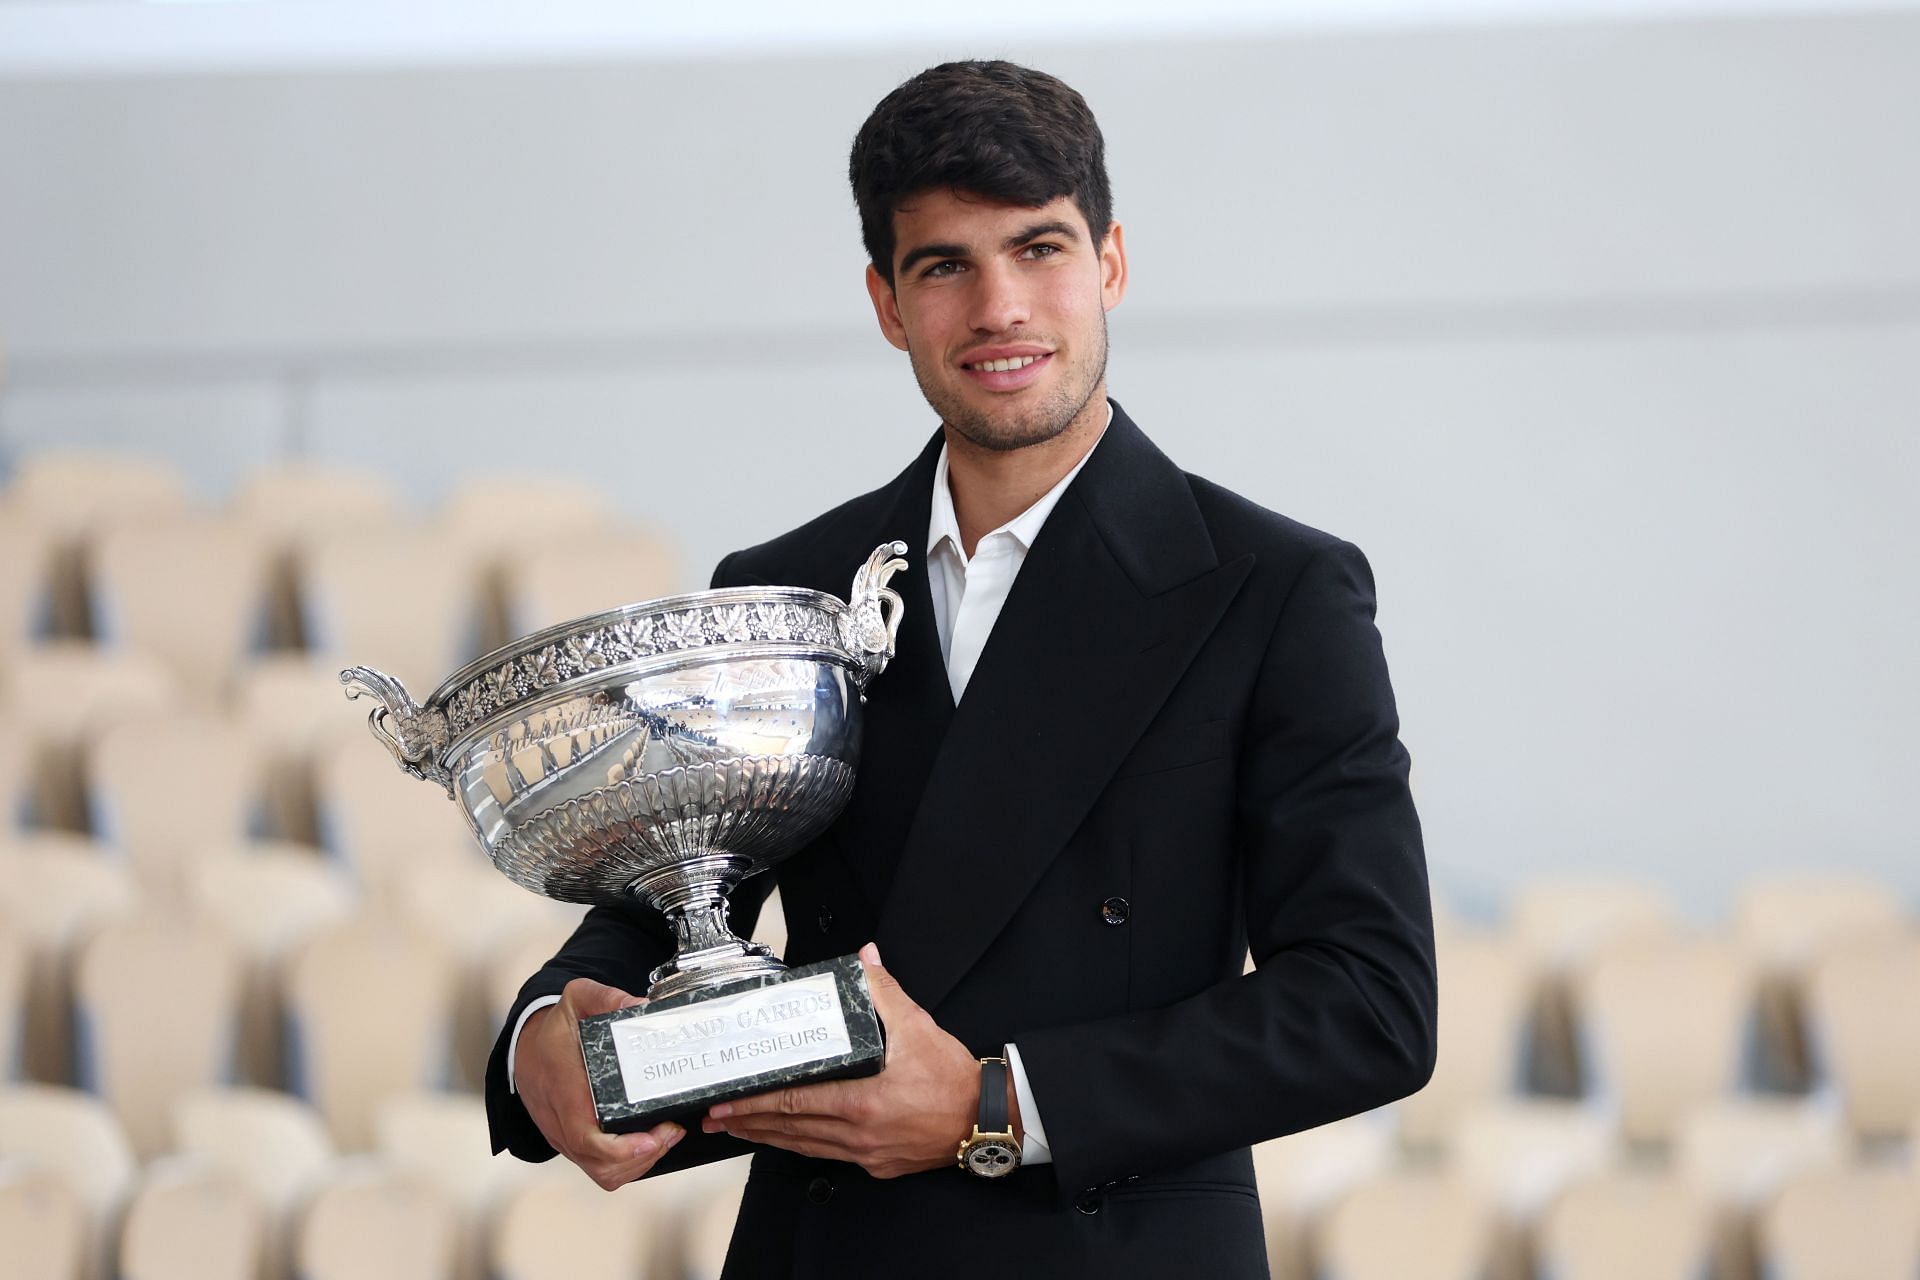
(999,303)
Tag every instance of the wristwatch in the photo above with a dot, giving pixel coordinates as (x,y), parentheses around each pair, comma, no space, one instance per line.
(991,1151)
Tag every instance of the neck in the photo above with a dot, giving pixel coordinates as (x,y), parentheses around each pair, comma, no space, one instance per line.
(992,486)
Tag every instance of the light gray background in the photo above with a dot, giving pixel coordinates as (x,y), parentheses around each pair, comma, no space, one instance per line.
(1602,340)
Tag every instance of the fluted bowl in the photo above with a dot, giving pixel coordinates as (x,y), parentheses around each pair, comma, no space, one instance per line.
(664,750)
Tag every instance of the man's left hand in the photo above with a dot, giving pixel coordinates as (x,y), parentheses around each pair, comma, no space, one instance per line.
(910,1117)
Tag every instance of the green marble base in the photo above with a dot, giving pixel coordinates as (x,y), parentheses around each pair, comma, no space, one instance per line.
(672,1059)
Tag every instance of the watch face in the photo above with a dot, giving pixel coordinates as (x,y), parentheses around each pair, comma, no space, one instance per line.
(992,1158)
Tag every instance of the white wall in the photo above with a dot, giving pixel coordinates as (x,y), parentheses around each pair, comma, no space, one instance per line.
(1600,340)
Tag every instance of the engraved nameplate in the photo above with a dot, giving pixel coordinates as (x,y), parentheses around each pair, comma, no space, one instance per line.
(677,1056)
(760,1030)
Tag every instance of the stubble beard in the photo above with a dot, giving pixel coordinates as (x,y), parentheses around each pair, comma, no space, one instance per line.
(1011,429)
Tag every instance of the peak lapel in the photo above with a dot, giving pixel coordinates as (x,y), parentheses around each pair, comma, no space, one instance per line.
(908,705)
(1118,592)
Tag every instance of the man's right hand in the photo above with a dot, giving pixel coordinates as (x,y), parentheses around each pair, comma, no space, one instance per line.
(551,1079)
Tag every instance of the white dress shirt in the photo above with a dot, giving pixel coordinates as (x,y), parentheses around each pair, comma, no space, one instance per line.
(968,593)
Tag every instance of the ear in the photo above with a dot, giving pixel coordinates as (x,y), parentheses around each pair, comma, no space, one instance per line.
(886,308)
(1113,266)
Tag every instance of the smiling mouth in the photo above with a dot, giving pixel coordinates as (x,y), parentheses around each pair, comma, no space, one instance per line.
(1004,366)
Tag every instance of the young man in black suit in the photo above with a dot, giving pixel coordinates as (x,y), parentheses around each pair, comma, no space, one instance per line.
(1137,726)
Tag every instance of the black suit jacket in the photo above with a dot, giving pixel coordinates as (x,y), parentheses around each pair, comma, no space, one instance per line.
(1179,743)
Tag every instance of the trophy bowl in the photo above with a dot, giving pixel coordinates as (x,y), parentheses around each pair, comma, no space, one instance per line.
(664,750)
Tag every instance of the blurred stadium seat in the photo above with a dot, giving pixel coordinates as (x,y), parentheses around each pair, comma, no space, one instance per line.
(191,1221)
(1663,1023)
(1489,990)
(1302,1174)
(62,697)
(157,1007)
(26,578)
(370,1222)
(73,494)
(1564,921)
(268,897)
(1787,921)
(370,1010)
(403,600)
(1620,1225)
(549,584)
(566,1228)
(162,787)
(55,887)
(290,706)
(270,1142)
(1864,1025)
(48,1231)
(384,825)
(1739,1151)
(191,591)
(71,1136)
(1408,1226)
(285,503)
(1851,1224)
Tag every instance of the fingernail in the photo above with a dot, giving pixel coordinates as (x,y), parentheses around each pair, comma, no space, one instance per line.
(677,1134)
(710,1125)
(871,953)
(721,1112)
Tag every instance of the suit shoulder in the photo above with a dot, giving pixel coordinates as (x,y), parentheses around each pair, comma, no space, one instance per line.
(1240,525)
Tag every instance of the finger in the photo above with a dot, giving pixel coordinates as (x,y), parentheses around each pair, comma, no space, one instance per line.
(826,1099)
(592,1145)
(810,1128)
(660,1139)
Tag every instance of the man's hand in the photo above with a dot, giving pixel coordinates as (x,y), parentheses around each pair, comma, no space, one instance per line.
(551,1080)
(909,1118)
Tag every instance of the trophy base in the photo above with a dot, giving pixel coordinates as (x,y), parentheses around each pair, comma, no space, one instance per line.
(671,1059)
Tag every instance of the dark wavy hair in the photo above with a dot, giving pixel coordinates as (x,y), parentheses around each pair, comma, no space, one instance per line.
(993,129)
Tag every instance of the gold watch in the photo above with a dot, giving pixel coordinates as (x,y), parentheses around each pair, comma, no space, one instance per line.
(991,1151)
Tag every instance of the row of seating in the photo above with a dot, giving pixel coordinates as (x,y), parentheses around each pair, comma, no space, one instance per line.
(99,746)
(253,1187)
(268,938)
(110,548)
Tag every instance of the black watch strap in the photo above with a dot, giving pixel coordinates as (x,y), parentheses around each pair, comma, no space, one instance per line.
(993,1095)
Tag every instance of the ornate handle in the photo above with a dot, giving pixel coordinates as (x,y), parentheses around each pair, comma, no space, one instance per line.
(867,629)
(415,735)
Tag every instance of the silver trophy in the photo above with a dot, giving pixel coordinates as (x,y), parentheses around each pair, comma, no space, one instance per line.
(664,752)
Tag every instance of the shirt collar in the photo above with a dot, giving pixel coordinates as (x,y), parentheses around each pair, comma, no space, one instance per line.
(944,526)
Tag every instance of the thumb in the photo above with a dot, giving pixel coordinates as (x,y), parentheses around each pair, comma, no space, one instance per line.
(878,979)
(585,997)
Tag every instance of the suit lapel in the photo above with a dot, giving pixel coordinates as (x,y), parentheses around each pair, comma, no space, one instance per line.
(1117,594)
(908,705)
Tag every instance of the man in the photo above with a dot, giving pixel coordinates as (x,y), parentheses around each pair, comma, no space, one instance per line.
(1136,726)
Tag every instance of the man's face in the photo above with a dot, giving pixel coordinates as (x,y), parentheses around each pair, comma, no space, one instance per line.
(977,282)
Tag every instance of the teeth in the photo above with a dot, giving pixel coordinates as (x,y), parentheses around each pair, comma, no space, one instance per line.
(1004,366)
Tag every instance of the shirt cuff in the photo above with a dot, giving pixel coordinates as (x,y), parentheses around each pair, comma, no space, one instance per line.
(545,1002)
(1033,1138)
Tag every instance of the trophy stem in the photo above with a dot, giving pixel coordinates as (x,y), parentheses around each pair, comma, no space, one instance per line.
(707,953)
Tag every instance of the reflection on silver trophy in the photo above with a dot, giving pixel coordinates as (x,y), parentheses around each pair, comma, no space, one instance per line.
(664,752)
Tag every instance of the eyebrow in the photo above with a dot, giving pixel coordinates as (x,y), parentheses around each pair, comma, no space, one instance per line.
(1061,229)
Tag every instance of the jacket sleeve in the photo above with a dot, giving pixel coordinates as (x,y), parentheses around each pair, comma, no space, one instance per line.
(617,946)
(1338,1015)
